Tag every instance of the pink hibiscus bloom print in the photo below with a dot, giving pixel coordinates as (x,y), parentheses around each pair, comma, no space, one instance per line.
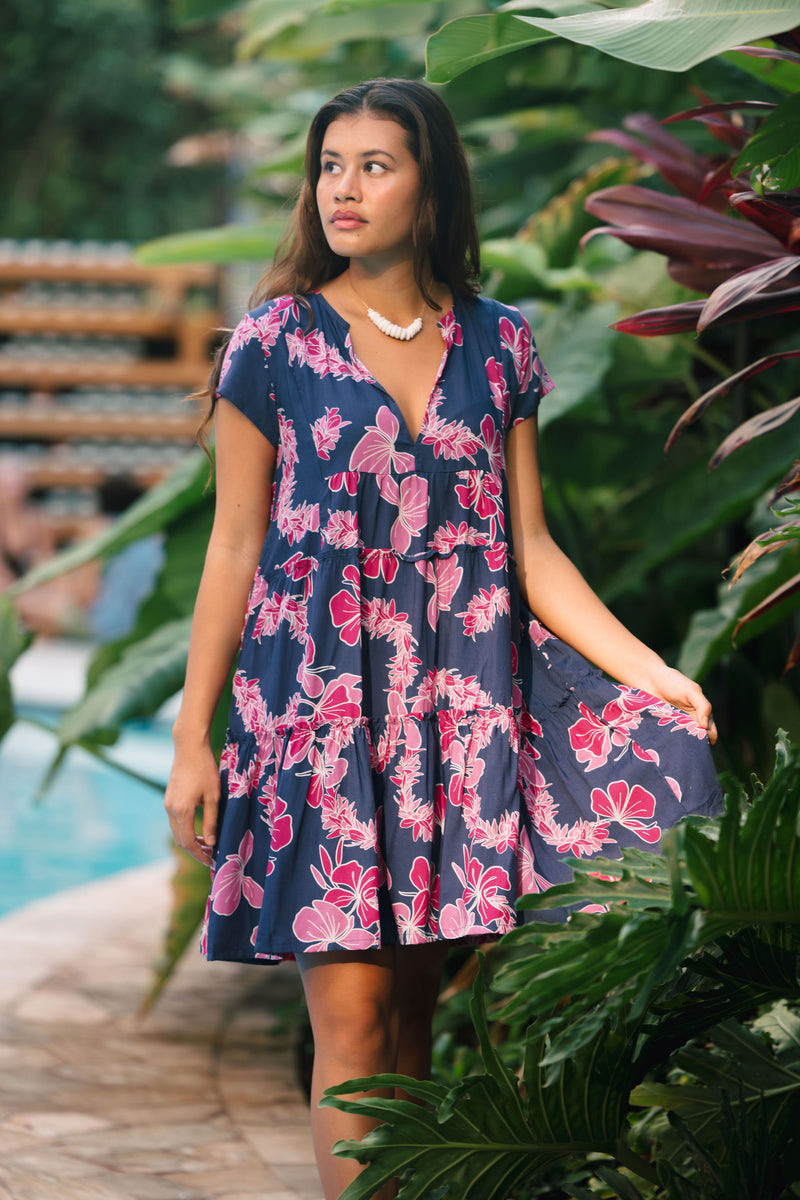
(518,341)
(347,480)
(327,430)
(498,387)
(345,608)
(630,807)
(451,330)
(456,921)
(379,562)
(485,886)
(590,738)
(413,514)
(480,492)
(445,574)
(231,883)
(529,881)
(376,451)
(323,926)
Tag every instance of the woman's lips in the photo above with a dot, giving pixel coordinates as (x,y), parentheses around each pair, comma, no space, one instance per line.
(347,220)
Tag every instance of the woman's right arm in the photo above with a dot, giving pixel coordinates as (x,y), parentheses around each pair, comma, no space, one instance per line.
(245,461)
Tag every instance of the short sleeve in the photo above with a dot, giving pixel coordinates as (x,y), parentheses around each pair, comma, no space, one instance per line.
(528,379)
(245,377)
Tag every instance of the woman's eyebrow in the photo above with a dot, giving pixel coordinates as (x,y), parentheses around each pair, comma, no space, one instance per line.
(364,154)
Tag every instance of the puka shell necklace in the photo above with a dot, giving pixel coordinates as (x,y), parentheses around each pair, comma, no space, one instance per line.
(401,333)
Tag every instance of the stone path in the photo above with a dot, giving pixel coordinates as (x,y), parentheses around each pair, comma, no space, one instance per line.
(198,1100)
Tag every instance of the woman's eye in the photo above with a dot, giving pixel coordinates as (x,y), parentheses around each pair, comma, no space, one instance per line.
(370,167)
(330,167)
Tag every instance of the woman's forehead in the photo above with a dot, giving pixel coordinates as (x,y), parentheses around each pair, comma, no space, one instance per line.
(365,133)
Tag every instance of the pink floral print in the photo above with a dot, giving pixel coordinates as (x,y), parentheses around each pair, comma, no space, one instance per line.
(409,750)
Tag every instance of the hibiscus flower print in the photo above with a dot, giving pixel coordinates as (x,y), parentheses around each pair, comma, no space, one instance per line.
(231,884)
(632,807)
(376,452)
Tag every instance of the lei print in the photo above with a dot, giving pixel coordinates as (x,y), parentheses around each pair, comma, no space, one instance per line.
(385,777)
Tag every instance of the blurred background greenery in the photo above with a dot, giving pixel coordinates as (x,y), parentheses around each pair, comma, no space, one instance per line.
(143,119)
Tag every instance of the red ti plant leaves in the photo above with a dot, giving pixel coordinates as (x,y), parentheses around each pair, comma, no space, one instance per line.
(763,422)
(782,593)
(711,115)
(681,166)
(744,285)
(696,410)
(690,235)
(655,322)
(769,52)
(780,217)
(789,483)
(765,543)
(680,318)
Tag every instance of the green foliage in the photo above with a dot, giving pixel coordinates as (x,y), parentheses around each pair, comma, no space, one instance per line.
(668,35)
(773,152)
(88,124)
(683,998)
(189,895)
(13,640)
(228,244)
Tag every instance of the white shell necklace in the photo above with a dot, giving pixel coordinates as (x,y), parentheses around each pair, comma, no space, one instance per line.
(401,333)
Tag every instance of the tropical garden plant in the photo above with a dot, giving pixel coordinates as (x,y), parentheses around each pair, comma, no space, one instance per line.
(648,1048)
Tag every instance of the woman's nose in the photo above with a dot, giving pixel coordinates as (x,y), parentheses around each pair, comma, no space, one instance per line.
(347,186)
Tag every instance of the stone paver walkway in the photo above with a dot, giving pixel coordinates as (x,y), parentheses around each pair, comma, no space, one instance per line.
(198,1100)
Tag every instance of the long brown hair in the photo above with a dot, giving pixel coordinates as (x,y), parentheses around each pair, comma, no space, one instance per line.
(444,230)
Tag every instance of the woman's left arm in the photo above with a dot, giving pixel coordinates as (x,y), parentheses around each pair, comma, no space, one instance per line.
(561,599)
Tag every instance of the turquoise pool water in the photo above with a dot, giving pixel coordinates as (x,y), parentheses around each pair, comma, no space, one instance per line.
(93,821)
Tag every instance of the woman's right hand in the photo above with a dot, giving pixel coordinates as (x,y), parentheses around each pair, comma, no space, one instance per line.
(193,783)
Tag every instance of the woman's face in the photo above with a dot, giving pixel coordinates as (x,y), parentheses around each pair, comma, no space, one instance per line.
(368,189)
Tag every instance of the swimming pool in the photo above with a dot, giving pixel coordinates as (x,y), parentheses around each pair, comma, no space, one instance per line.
(93,821)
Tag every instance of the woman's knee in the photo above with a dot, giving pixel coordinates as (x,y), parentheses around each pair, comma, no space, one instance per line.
(352,1007)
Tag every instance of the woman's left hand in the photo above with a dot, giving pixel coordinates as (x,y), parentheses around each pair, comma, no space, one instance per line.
(683,693)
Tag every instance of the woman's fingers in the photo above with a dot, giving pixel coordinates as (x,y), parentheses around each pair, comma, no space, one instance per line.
(183,822)
(210,811)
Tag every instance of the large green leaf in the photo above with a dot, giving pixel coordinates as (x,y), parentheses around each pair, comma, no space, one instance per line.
(525,271)
(227,244)
(469,41)
(741,1063)
(774,150)
(751,873)
(709,637)
(190,883)
(668,35)
(678,509)
(182,490)
(577,348)
(175,590)
(475,1140)
(13,640)
(149,672)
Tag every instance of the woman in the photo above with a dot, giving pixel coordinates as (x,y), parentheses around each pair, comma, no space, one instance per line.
(409,748)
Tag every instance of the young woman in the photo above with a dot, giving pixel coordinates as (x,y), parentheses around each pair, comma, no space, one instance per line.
(409,748)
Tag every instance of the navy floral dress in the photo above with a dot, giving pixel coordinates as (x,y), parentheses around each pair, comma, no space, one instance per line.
(409,749)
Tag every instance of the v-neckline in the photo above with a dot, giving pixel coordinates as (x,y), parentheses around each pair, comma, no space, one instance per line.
(354,358)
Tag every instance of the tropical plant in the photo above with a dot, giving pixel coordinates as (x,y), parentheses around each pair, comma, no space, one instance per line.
(674,989)
(733,232)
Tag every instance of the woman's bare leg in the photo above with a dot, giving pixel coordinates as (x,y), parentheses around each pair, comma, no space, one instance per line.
(370,1013)
(351,1004)
(418,976)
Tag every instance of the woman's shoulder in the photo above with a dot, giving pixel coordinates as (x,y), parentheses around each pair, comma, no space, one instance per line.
(502,324)
(276,308)
(492,312)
